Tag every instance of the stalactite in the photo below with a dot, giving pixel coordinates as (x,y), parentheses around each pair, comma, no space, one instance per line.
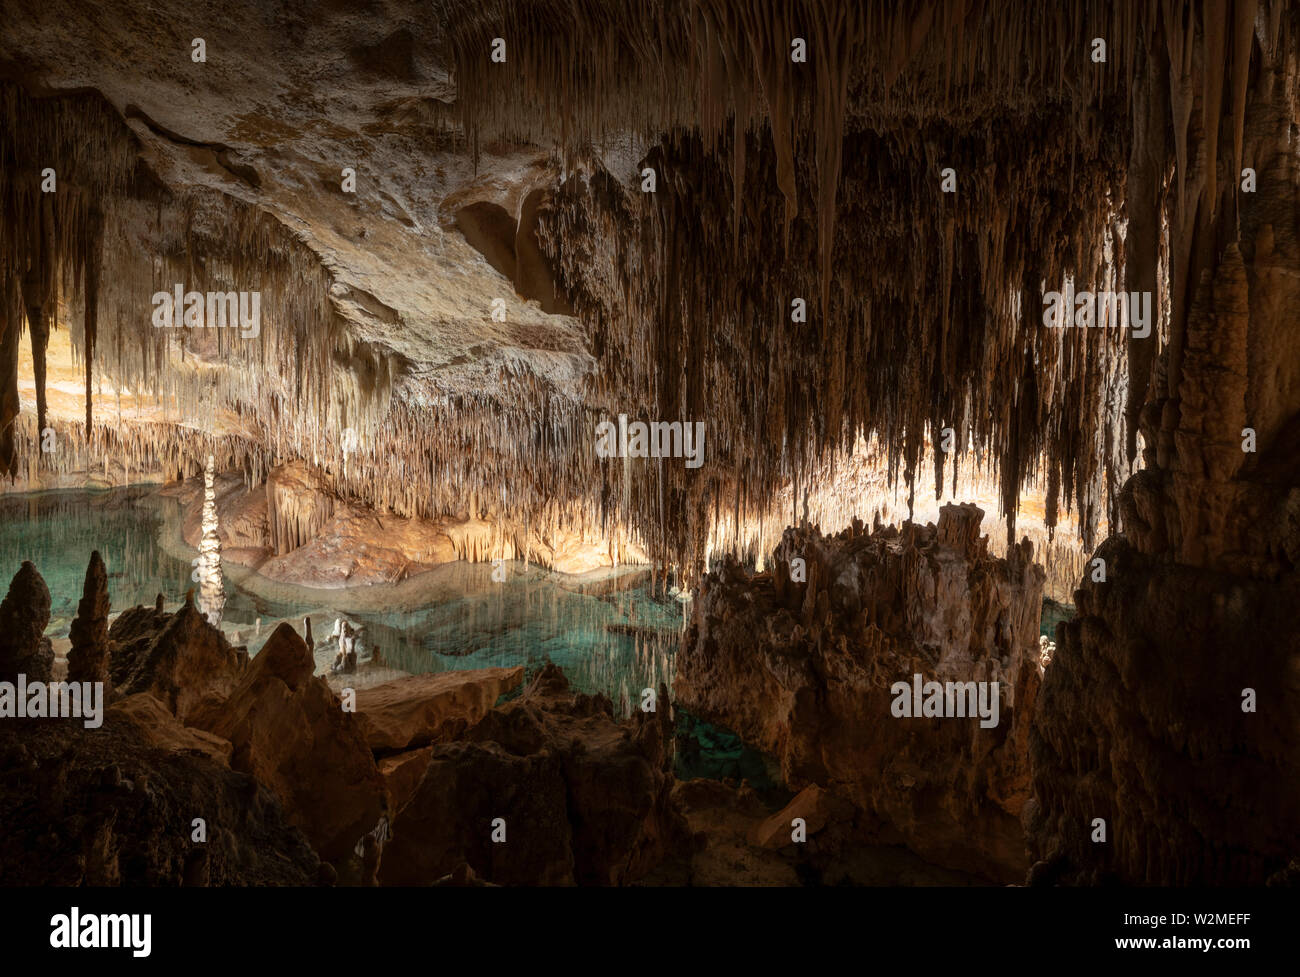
(777,179)
(91,262)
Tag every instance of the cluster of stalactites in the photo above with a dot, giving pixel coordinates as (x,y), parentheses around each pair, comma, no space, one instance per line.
(582,73)
(822,180)
(62,158)
(935,324)
(88,238)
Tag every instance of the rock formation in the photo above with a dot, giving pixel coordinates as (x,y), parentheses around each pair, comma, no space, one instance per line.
(829,233)
(116,806)
(88,659)
(161,729)
(803,668)
(1165,746)
(184,662)
(415,711)
(583,798)
(290,732)
(24,613)
(131,635)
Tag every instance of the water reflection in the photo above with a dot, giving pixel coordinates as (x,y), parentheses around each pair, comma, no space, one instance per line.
(611,636)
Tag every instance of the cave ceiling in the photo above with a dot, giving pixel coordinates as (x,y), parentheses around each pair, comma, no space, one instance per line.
(523,181)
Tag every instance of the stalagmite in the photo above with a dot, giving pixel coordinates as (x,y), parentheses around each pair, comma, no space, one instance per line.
(88,658)
(24,614)
(212,585)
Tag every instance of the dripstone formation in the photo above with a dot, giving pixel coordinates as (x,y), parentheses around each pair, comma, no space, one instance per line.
(801,661)
(88,658)
(830,233)
(24,613)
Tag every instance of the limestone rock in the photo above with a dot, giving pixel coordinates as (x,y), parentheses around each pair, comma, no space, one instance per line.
(24,614)
(158,727)
(1206,794)
(815,806)
(88,658)
(402,773)
(116,806)
(291,733)
(131,635)
(584,798)
(186,661)
(422,709)
(803,670)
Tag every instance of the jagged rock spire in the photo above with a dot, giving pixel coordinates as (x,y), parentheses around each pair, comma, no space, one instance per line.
(24,615)
(88,658)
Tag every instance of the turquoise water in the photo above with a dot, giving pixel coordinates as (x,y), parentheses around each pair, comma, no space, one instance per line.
(611,636)
(615,637)
(1054,612)
(58,530)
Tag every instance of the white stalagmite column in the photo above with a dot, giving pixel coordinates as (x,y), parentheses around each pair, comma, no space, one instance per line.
(212,589)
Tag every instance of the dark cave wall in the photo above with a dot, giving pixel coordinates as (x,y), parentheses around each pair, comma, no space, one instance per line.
(1144,719)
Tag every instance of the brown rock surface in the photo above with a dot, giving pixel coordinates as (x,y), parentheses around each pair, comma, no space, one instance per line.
(115,806)
(356,547)
(817,807)
(402,773)
(131,634)
(804,671)
(160,728)
(585,799)
(418,710)
(1145,719)
(24,614)
(88,658)
(291,733)
(186,661)
(725,820)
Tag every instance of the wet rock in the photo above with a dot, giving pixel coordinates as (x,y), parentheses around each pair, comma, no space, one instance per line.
(291,733)
(88,658)
(584,799)
(24,615)
(422,709)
